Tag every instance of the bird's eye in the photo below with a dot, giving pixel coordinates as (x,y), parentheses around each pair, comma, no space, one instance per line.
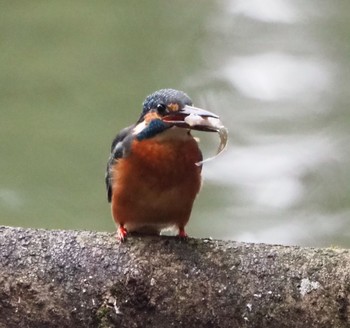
(161,108)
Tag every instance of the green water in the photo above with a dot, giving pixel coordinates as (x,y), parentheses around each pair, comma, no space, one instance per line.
(74,73)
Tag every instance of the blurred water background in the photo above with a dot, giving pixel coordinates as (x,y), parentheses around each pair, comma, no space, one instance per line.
(72,74)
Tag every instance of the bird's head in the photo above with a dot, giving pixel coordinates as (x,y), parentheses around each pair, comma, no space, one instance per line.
(166,108)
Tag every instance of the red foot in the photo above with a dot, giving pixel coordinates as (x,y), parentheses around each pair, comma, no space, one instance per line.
(121,233)
(182,233)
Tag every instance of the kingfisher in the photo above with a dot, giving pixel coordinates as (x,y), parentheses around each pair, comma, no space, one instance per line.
(154,172)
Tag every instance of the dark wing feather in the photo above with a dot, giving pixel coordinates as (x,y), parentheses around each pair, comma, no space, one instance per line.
(119,149)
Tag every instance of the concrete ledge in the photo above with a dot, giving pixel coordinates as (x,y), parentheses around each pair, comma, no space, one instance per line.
(86,279)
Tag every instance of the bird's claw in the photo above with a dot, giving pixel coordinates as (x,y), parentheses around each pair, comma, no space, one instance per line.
(182,234)
(121,234)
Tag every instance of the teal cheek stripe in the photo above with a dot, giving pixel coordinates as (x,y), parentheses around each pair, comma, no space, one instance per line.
(153,128)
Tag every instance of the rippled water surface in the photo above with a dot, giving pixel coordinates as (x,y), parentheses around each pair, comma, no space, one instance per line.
(277,72)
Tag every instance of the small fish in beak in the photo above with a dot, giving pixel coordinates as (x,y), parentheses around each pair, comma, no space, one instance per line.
(195,118)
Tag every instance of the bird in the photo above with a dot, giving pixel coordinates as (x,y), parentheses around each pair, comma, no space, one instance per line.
(153,172)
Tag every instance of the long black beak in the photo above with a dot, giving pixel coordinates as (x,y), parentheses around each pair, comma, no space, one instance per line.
(198,118)
(188,110)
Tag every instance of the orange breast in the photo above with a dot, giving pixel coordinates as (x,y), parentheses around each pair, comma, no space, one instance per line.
(155,186)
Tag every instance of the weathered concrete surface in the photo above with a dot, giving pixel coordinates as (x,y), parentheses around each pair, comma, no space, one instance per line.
(86,279)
